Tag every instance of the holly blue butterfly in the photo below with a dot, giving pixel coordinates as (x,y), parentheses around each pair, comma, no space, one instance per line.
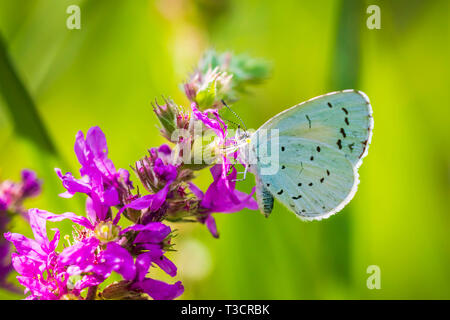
(319,145)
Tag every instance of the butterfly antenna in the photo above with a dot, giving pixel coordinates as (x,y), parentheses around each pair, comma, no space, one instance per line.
(232,122)
(235,114)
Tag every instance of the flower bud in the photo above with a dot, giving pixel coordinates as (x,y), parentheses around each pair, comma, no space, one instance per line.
(116,291)
(169,116)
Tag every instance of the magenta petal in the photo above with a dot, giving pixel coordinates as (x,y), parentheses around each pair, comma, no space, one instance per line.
(88,281)
(152,226)
(159,290)
(82,221)
(80,148)
(73,185)
(91,210)
(165,172)
(111,197)
(154,232)
(211,225)
(25,266)
(148,246)
(216,171)
(221,195)
(80,253)
(217,125)
(38,226)
(54,243)
(143,262)
(151,201)
(31,184)
(119,260)
(165,264)
(196,190)
(26,247)
(96,141)
(164,148)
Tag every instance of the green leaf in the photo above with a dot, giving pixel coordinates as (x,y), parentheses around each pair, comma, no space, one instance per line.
(19,102)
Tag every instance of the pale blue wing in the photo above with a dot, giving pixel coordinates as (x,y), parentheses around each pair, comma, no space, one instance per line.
(314,180)
(342,120)
(321,144)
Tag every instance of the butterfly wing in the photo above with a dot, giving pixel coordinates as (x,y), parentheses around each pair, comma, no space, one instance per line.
(321,145)
(313,184)
(340,119)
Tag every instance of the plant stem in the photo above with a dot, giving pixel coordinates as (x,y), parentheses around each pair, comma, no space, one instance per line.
(92,293)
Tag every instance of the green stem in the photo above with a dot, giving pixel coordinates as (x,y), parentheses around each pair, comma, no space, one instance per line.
(92,293)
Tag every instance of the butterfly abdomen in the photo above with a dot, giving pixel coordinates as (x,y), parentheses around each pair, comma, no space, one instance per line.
(266,201)
(263,197)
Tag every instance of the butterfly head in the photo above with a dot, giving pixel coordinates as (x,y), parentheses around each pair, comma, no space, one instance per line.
(242,136)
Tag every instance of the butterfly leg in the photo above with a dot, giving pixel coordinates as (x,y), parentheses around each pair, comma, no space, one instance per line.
(232,166)
(244,173)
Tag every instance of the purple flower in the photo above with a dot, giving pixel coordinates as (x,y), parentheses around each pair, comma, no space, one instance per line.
(101,181)
(116,258)
(156,289)
(113,258)
(11,197)
(104,185)
(81,258)
(217,124)
(157,169)
(45,273)
(36,262)
(31,185)
(92,153)
(150,240)
(159,290)
(166,172)
(5,265)
(221,196)
(151,202)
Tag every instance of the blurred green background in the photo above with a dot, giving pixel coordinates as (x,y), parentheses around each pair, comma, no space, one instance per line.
(129,52)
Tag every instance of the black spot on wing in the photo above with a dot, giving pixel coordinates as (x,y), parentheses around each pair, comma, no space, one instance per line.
(330,105)
(318,149)
(339,144)
(321,180)
(345,110)
(297,197)
(343,132)
(350,146)
(346,121)
(280,192)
